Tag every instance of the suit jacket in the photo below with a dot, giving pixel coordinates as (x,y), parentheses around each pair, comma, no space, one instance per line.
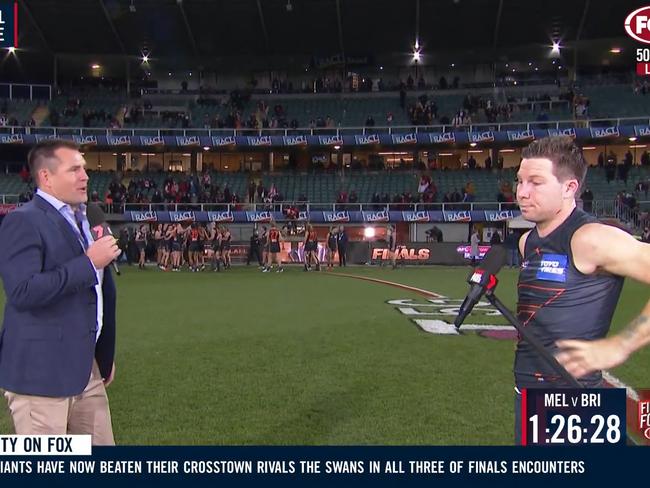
(47,342)
(342,239)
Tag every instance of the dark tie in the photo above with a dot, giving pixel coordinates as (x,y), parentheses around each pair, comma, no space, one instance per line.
(79,219)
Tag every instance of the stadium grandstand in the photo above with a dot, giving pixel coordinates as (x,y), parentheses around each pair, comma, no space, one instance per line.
(370,120)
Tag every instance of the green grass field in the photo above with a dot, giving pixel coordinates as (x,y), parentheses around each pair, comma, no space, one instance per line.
(245,358)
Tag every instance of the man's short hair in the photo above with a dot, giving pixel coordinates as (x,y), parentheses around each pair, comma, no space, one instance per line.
(42,154)
(567,158)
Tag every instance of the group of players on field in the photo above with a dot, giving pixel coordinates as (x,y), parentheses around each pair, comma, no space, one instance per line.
(178,244)
(198,246)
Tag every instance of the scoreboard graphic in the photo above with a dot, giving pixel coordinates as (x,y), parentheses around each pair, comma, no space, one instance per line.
(8,24)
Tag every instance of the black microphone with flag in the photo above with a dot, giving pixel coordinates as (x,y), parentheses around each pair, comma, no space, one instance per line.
(482,279)
(99,227)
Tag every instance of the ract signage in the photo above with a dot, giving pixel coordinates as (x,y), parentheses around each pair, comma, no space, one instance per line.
(457,216)
(187,216)
(119,140)
(520,135)
(149,216)
(259,216)
(12,139)
(85,140)
(443,138)
(381,216)
(336,216)
(188,141)
(40,137)
(295,140)
(642,130)
(221,217)
(152,141)
(499,215)
(223,141)
(259,141)
(570,132)
(485,136)
(330,140)
(599,132)
(364,140)
(421,216)
(404,139)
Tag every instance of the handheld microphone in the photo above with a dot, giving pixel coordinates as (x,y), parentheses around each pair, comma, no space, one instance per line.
(481,280)
(99,227)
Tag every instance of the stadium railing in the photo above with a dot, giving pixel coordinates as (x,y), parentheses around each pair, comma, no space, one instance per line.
(332,131)
(309,206)
(635,218)
(4,199)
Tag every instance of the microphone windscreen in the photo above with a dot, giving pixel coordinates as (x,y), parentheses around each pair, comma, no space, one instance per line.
(95,215)
(494,260)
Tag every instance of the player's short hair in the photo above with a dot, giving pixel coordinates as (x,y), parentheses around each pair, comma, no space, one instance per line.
(567,158)
(42,155)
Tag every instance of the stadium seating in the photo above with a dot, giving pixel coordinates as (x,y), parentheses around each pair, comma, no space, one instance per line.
(11,184)
(346,110)
(20,109)
(324,188)
(616,101)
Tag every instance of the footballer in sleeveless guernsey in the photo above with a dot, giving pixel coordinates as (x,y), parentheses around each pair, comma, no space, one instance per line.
(556,301)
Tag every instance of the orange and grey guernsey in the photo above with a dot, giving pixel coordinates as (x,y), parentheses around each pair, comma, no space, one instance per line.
(556,301)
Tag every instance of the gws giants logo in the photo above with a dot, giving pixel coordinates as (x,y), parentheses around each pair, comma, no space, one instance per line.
(436,316)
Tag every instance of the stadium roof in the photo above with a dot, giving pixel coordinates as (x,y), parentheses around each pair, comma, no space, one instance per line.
(200,32)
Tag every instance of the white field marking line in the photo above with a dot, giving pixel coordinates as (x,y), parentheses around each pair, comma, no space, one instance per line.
(616,383)
(612,380)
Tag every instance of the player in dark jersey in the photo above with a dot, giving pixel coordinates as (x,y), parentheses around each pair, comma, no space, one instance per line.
(310,247)
(572,268)
(391,236)
(195,247)
(583,357)
(205,246)
(166,244)
(141,245)
(178,236)
(157,242)
(274,243)
(214,238)
(226,238)
(264,242)
(331,247)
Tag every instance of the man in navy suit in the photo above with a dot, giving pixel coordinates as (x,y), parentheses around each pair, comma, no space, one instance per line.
(57,343)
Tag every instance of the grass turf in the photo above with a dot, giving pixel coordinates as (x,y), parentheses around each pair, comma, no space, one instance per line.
(247,358)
